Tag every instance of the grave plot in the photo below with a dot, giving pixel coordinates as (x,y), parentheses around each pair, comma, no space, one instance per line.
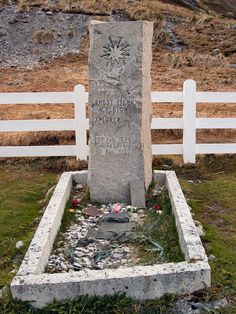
(95,236)
(33,284)
(120,173)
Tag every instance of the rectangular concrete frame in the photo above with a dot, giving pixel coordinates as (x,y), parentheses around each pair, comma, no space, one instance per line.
(139,282)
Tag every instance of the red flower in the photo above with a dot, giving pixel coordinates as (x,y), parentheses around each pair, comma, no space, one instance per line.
(75,202)
(157,207)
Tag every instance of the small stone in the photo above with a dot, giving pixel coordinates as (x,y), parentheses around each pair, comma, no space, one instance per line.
(79,254)
(19,244)
(77,265)
(37,220)
(134,217)
(81,218)
(199,228)
(13,21)
(211,257)
(2,34)
(63,265)
(93,211)
(117,217)
(79,186)
(117,256)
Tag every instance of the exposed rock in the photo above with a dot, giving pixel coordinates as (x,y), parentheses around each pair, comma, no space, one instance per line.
(19,244)
(18,29)
(211,257)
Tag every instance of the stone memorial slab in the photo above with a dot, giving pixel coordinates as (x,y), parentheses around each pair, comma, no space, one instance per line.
(119,109)
(137,194)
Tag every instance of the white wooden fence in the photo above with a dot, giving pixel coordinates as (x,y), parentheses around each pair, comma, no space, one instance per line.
(189,123)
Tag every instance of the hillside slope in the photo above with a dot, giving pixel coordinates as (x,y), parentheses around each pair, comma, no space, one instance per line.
(46,49)
(225,7)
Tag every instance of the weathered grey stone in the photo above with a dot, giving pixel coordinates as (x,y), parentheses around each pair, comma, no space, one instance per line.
(139,282)
(119,109)
(189,239)
(137,192)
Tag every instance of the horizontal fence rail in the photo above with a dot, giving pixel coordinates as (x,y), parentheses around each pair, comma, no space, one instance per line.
(37,98)
(189,123)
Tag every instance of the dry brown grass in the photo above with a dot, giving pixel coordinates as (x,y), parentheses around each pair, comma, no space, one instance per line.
(44,36)
(143,10)
(24,5)
(178,60)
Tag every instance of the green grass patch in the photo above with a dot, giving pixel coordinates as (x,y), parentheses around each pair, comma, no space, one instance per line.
(159,226)
(214,204)
(116,304)
(22,193)
(213,200)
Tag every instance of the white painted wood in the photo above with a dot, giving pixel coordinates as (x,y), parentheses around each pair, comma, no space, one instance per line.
(216,148)
(189,121)
(81,122)
(216,97)
(216,123)
(36,98)
(167,123)
(37,125)
(32,151)
(167,96)
(167,149)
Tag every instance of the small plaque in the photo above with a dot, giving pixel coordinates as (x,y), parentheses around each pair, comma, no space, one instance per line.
(137,191)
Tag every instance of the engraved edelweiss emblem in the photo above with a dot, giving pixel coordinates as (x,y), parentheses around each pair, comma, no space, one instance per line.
(116,51)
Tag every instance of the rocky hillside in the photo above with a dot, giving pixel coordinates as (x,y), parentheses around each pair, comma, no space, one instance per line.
(225,7)
(35,31)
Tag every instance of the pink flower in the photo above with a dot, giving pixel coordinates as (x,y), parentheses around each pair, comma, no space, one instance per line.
(117,208)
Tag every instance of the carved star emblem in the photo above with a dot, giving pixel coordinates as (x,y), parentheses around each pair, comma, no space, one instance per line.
(116,52)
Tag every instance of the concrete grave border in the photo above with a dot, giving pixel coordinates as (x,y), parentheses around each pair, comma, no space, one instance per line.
(139,282)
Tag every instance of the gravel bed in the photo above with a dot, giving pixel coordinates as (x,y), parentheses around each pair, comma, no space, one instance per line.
(99,237)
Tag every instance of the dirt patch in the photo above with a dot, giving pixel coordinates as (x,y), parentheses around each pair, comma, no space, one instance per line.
(213,220)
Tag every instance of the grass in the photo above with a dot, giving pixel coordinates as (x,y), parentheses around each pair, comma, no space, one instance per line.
(43,36)
(116,304)
(22,191)
(160,227)
(213,201)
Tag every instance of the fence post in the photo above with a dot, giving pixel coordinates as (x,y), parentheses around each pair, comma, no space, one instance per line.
(189,121)
(80,122)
